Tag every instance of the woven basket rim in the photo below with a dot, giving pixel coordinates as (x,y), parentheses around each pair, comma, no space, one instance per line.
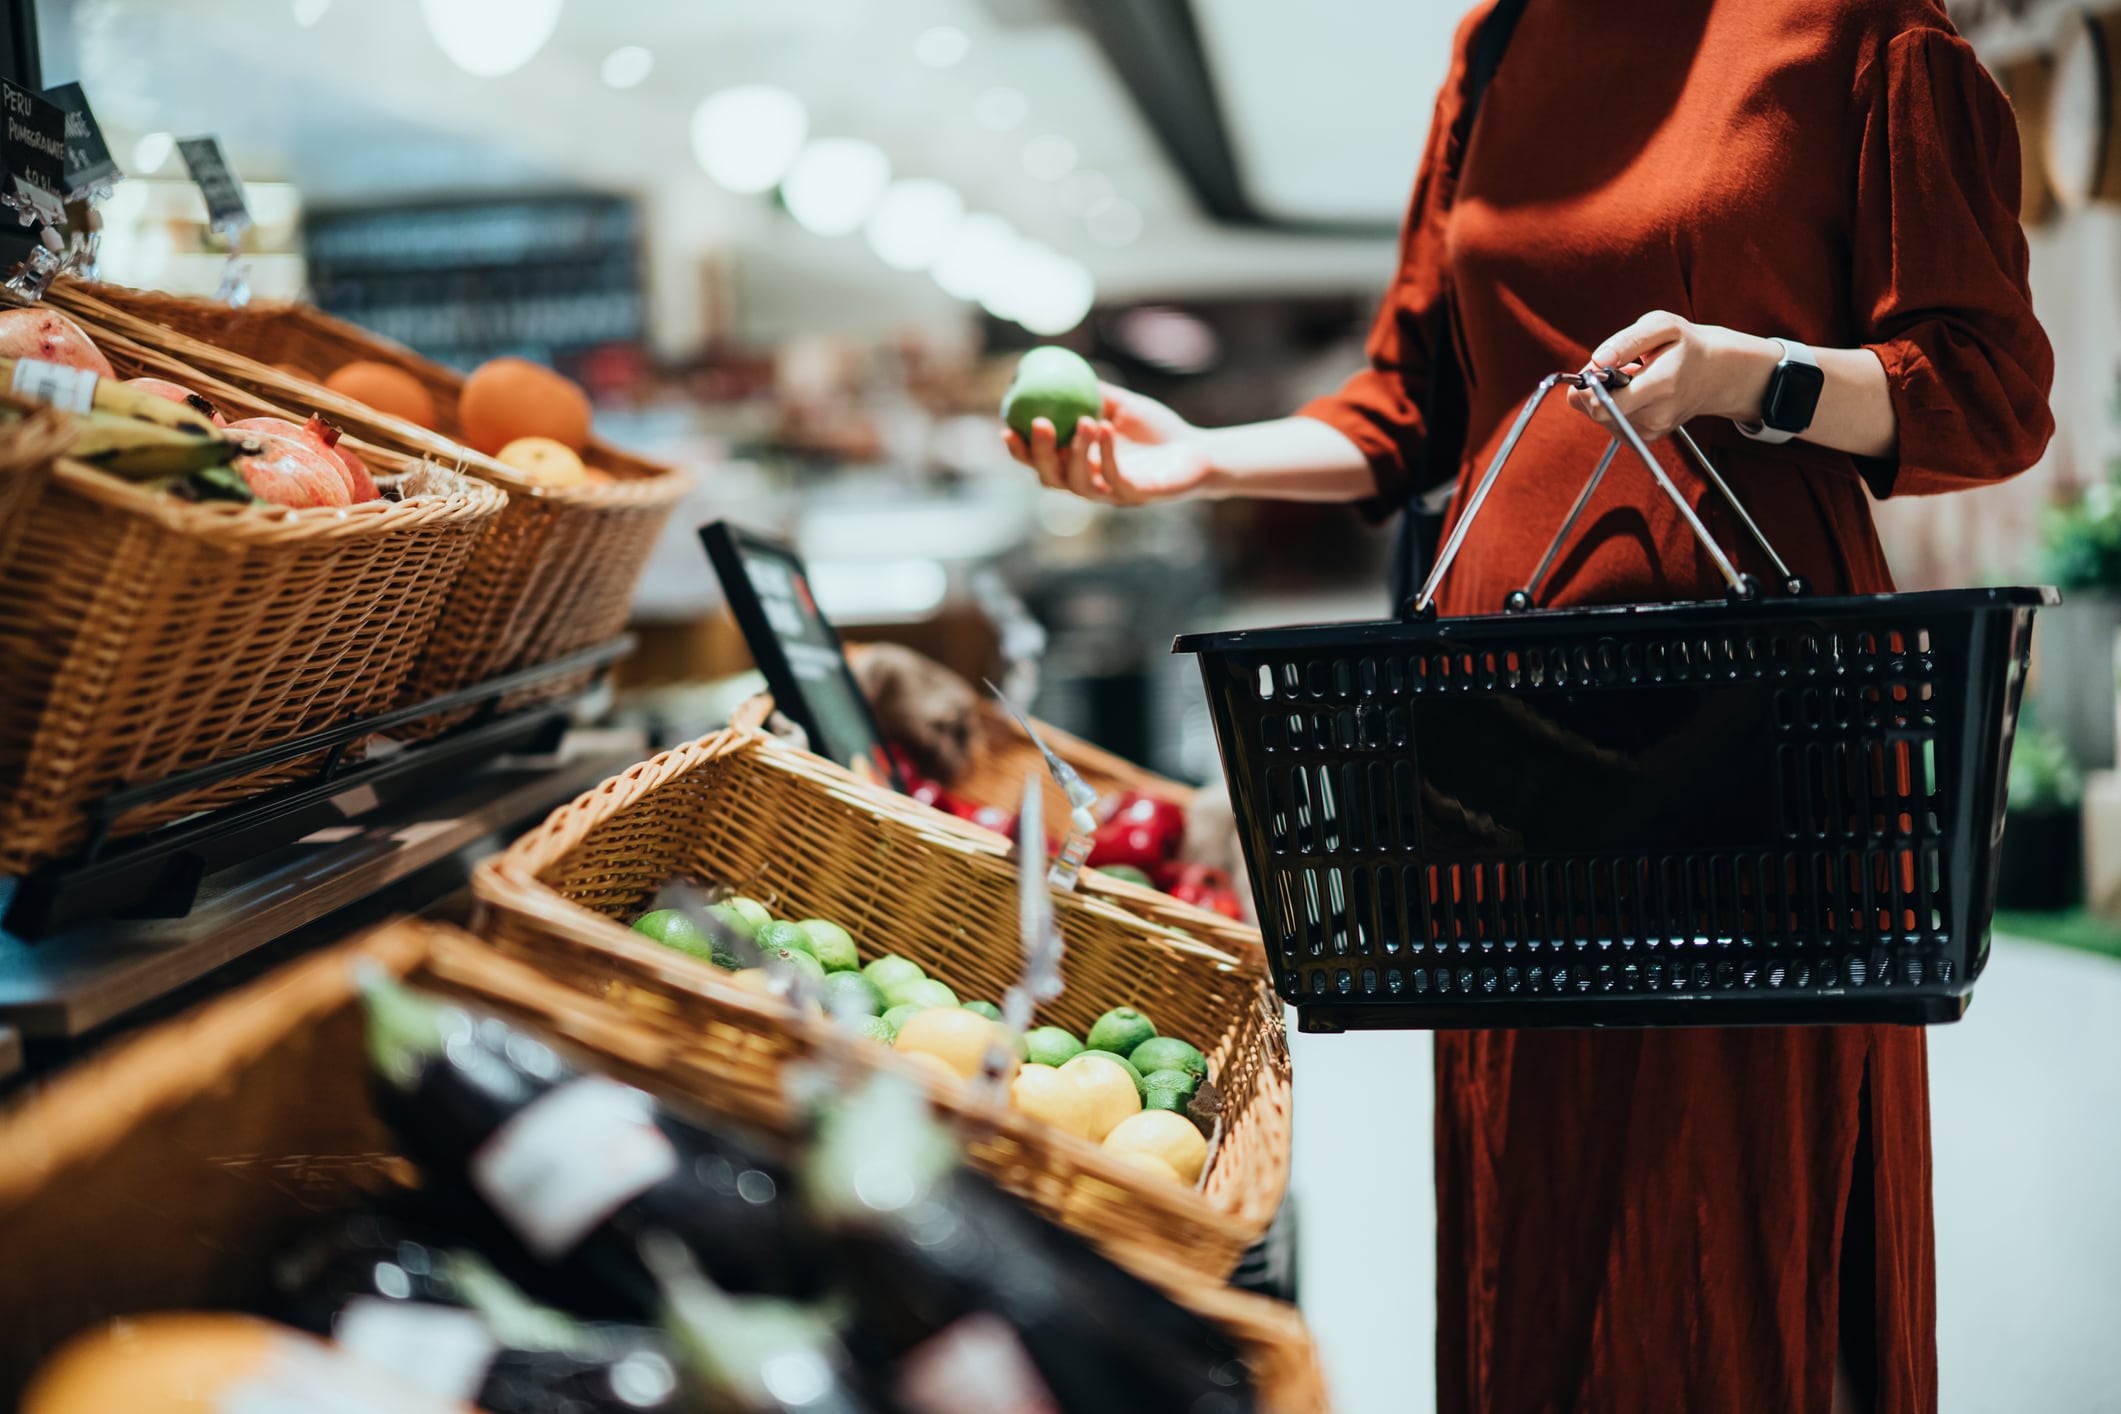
(227,522)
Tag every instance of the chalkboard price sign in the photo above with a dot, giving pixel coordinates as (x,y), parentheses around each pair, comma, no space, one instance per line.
(88,160)
(227,211)
(33,147)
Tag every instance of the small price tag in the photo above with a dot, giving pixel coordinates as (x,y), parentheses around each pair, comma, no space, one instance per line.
(227,211)
(570,1159)
(33,148)
(441,1349)
(69,389)
(88,160)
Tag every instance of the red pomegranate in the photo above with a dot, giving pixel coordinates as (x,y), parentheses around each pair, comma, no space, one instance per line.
(50,337)
(178,393)
(292,471)
(320,436)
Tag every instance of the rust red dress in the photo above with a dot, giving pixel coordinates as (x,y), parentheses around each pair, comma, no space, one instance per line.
(1654,1221)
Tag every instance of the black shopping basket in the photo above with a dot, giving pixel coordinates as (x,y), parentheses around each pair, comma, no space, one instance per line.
(1760,810)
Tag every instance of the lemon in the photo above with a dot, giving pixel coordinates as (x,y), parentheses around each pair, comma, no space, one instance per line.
(1169,1137)
(1122,1062)
(1149,1163)
(958,1037)
(1061,1101)
(935,1067)
(1108,1089)
(831,944)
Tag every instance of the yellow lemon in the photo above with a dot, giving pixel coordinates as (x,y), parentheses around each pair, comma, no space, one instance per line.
(958,1038)
(1149,1163)
(934,1067)
(1060,1100)
(1170,1137)
(1108,1089)
(544,461)
(759,980)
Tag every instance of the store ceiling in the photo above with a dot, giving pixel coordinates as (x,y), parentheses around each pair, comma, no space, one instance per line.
(361,106)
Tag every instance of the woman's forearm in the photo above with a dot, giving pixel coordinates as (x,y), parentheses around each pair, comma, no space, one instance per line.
(1855,412)
(1289,459)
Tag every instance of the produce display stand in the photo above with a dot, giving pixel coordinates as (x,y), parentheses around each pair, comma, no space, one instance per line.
(165,1175)
(1004,757)
(557,569)
(810,840)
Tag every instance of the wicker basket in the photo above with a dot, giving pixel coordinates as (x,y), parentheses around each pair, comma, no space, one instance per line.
(558,569)
(141,635)
(810,840)
(166,1174)
(996,777)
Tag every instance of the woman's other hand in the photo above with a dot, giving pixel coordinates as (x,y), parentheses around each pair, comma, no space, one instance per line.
(1137,453)
(1680,371)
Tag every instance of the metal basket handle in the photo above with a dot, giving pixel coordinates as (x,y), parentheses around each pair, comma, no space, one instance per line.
(1741,587)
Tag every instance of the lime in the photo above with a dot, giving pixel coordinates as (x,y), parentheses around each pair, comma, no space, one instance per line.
(896,1017)
(1168,1053)
(1125,871)
(1182,1080)
(1120,1030)
(673,929)
(891,972)
(747,915)
(925,993)
(986,1009)
(875,1028)
(772,937)
(1055,384)
(850,993)
(831,944)
(1049,1045)
(801,962)
(1165,1098)
(1124,1063)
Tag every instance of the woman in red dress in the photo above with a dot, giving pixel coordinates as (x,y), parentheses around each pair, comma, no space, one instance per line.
(1699,1220)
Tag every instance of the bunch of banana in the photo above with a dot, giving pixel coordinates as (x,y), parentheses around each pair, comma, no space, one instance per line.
(128,447)
(123,400)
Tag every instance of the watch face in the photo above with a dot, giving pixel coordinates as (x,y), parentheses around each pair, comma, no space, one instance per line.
(1793,396)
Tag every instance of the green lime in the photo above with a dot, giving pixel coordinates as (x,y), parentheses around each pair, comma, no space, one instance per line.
(831,944)
(986,1009)
(927,992)
(891,972)
(1120,1030)
(774,936)
(1055,384)
(1049,1045)
(1183,1081)
(875,1028)
(1126,871)
(1125,1064)
(673,929)
(850,993)
(801,962)
(1168,1053)
(896,1017)
(1164,1097)
(750,910)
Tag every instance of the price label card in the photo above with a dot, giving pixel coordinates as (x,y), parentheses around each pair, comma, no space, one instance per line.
(33,148)
(226,208)
(88,159)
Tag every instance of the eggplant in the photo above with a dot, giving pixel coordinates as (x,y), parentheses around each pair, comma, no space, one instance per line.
(577,1167)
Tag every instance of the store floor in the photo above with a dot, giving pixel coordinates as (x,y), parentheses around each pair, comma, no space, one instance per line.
(2026,1108)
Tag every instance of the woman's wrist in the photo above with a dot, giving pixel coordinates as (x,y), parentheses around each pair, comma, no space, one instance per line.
(1746,367)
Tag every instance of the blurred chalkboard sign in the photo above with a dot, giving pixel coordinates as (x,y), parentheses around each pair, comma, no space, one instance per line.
(795,647)
(33,146)
(88,159)
(543,278)
(227,209)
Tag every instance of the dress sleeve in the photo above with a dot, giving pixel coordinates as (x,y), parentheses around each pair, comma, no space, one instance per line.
(1379,409)
(1938,270)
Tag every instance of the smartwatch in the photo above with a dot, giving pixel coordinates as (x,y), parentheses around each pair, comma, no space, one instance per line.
(1792,396)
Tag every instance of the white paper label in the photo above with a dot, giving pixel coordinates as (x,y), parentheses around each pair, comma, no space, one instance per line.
(441,1349)
(72,389)
(570,1159)
(306,1377)
(974,1366)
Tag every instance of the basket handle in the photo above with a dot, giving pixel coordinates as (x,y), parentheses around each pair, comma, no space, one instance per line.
(1741,587)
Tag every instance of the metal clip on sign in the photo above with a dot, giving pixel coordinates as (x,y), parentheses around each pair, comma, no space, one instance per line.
(1081,797)
(1740,587)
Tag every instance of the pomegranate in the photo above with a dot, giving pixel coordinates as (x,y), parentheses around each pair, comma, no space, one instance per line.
(50,337)
(319,436)
(178,393)
(292,471)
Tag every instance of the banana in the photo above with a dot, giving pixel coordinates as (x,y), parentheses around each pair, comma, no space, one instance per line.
(127,447)
(112,396)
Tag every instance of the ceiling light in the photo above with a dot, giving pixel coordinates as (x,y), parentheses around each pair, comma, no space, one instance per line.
(835,183)
(1085,190)
(308,12)
(979,255)
(1055,293)
(1000,110)
(1049,157)
(1114,223)
(746,138)
(150,152)
(628,65)
(913,222)
(1170,339)
(942,46)
(489,38)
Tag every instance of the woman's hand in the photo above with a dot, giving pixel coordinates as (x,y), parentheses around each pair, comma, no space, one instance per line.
(1681,371)
(1139,452)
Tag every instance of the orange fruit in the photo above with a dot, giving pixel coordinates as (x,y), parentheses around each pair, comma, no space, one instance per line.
(507,398)
(386,388)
